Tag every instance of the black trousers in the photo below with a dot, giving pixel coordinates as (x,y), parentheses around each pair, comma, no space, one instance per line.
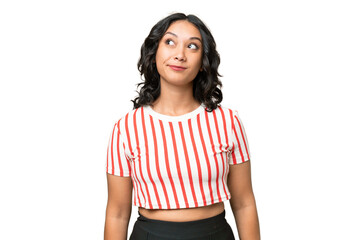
(214,228)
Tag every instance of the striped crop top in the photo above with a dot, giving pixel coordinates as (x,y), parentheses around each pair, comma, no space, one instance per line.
(177,161)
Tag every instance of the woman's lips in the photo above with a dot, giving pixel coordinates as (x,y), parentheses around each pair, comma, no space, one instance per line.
(177,68)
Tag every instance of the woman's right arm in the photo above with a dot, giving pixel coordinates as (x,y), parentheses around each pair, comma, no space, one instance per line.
(118,210)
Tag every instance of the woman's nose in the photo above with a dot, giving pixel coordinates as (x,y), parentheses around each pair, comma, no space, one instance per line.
(180,54)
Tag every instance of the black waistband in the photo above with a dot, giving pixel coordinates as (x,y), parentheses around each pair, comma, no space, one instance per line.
(189,228)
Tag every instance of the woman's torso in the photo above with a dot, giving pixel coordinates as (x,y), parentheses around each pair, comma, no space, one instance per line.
(183,214)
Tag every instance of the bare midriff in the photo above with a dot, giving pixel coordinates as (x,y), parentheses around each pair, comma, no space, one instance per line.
(183,214)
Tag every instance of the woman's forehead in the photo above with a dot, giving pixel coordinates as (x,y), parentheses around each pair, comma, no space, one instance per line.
(183,29)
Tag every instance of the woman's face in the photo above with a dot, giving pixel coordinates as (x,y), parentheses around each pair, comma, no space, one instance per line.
(179,54)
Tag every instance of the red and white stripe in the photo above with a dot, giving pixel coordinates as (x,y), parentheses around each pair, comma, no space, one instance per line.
(177,164)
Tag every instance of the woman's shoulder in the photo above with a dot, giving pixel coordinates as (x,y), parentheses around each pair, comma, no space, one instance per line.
(226,108)
(127,114)
(233,111)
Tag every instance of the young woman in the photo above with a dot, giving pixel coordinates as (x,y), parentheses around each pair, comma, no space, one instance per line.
(178,155)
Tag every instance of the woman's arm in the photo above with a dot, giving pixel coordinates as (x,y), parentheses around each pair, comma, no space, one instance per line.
(118,210)
(242,201)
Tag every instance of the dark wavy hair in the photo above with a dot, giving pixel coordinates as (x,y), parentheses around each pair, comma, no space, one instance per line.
(205,84)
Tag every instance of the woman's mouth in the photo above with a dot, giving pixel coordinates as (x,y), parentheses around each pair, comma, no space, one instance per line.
(177,68)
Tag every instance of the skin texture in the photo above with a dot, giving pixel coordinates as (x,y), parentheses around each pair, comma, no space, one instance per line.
(242,201)
(118,210)
(176,97)
(181,46)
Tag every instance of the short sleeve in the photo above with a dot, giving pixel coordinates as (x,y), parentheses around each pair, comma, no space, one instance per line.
(116,160)
(240,150)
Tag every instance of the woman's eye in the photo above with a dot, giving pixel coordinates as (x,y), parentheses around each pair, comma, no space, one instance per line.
(194,46)
(169,42)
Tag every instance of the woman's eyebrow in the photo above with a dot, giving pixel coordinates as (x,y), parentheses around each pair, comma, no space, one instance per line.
(177,36)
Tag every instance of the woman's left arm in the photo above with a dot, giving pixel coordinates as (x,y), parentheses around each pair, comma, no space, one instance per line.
(242,201)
